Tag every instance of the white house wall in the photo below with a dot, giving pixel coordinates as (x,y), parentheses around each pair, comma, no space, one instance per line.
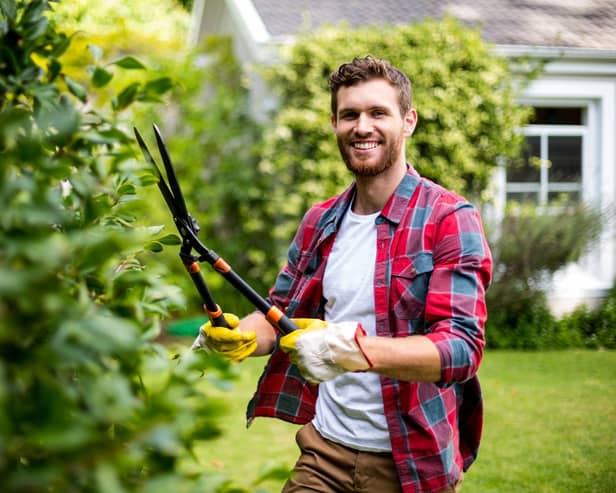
(592,85)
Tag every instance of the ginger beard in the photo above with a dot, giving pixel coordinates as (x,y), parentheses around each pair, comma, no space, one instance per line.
(367,167)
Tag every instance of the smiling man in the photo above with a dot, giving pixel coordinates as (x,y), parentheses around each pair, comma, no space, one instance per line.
(387,283)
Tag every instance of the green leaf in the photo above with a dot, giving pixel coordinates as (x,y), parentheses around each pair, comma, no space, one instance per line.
(129,62)
(101,77)
(61,44)
(158,86)
(127,189)
(126,96)
(148,179)
(76,89)
(36,29)
(54,69)
(9,10)
(154,246)
(170,239)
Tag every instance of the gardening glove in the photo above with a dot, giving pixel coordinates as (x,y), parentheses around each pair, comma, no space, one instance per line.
(231,343)
(323,351)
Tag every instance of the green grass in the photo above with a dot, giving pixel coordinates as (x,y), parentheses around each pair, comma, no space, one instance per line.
(550,427)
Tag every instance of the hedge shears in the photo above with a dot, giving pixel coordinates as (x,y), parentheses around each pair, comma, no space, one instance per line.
(188,228)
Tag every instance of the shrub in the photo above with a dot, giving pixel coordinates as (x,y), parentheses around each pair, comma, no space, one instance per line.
(88,400)
(531,245)
(596,328)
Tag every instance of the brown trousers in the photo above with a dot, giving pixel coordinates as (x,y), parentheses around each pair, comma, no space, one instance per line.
(328,467)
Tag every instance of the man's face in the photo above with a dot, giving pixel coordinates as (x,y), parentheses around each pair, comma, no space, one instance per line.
(369,128)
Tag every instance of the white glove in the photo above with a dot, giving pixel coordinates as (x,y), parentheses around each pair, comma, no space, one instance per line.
(324,353)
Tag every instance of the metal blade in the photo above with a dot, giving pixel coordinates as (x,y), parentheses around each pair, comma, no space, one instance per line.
(173,182)
(162,185)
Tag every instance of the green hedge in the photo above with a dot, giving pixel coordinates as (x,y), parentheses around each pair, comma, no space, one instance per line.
(89,400)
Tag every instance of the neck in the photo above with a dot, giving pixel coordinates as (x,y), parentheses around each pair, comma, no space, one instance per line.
(373,192)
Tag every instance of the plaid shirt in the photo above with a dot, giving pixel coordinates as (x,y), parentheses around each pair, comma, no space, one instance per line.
(432,268)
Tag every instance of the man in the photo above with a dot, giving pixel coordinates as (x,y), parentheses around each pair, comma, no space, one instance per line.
(387,284)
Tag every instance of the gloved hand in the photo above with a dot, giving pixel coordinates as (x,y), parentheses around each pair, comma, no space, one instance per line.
(323,351)
(231,343)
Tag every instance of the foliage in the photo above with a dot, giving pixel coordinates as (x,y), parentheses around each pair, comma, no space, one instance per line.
(596,328)
(530,247)
(135,27)
(214,144)
(89,401)
(463,94)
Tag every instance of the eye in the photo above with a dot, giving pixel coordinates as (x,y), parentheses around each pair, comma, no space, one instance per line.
(348,115)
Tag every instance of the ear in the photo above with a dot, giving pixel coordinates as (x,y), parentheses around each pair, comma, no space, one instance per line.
(410,122)
(333,121)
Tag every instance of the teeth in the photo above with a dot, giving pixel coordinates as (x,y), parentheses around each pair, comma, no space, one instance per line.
(365,145)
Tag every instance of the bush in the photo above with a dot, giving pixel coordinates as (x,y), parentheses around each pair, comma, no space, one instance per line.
(532,245)
(596,328)
(89,401)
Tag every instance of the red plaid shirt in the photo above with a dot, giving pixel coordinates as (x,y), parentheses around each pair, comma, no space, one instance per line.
(433,266)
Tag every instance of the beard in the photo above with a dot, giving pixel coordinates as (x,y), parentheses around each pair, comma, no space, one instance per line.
(365,168)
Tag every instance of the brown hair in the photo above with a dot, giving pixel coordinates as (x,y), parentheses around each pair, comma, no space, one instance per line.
(367,68)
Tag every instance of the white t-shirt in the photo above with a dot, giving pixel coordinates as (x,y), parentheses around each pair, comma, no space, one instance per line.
(349,408)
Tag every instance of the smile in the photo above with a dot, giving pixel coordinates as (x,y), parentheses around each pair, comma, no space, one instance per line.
(365,145)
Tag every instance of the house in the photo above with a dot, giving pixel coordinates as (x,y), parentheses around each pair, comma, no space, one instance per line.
(575,97)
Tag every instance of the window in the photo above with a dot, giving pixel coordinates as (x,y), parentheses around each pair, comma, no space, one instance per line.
(551,168)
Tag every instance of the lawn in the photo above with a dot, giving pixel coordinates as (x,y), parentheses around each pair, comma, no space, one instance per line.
(550,427)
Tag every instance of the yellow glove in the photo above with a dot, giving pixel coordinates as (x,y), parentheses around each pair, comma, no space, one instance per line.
(288,343)
(231,343)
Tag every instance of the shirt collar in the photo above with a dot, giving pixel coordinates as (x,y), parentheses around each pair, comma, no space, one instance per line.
(398,203)
(393,210)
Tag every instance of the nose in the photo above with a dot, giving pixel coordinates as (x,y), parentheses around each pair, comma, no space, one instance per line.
(363,125)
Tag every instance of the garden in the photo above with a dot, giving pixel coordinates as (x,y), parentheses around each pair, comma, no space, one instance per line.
(99,390)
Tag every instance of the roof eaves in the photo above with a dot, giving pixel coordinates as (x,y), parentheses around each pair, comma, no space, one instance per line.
(555,52)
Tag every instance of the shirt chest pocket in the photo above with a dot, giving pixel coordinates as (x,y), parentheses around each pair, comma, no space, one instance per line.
(410,277)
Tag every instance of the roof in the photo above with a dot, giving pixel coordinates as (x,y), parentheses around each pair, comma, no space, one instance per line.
(587,24)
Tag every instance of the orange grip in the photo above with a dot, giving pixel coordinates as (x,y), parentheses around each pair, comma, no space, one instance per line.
(192,268)
(215,314)
(274,314)
(221,266)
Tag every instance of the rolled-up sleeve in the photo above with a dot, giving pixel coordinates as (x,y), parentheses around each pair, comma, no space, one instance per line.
(455,309)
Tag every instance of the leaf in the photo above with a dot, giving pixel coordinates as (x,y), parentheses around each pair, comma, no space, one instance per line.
(35,29)
(126,189)
(54,69)
(126,96)
(154,246)
(101,77)
(170,239)
(148,179)
(76,89)
(158,86)
(61,45)
(129,62)
(9,10)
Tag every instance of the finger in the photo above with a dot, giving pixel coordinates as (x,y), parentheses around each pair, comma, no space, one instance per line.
(222,334)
